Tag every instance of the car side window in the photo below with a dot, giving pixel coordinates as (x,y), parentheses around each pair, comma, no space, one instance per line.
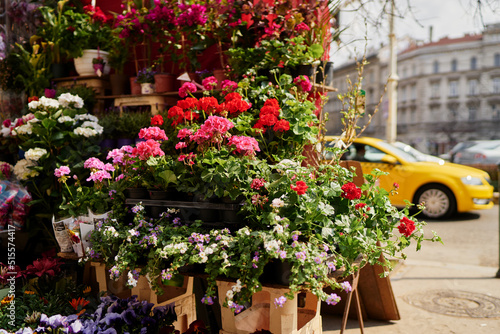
(373,154)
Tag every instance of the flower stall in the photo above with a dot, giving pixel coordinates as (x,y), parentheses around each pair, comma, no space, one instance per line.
(225,206)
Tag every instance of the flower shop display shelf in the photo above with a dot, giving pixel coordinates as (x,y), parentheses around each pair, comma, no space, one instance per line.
(181,296)
(214,215)
(301,315)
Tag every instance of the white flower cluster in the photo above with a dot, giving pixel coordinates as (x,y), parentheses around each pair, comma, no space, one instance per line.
(86,117)
(69,100)
(44,103)
(64,119)
(131,280)
(35,154)
(230,293)
(25,129)
(22,170)
(110,231)
(272,245)
(86,132)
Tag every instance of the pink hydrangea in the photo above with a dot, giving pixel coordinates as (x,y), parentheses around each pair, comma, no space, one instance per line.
(61,171)
(209,83)
(244,145)
(185,88)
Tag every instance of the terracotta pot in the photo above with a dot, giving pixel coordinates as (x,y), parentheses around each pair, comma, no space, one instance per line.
(84,66)
(135,88)
(220,75)
(164,83)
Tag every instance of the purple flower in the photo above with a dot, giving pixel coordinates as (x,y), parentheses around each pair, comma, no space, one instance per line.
(346,286)
(112,318)
(332,299)
(280,301)
(300,256)
(208,300)
(317,259)
(282,254)
(331,266)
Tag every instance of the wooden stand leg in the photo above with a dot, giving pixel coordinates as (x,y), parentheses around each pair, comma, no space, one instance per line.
(354,292)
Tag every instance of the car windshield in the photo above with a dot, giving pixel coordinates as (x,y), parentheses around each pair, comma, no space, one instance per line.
(396,151)
(489,145)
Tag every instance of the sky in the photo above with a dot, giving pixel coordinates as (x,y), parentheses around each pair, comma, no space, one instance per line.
(452,18)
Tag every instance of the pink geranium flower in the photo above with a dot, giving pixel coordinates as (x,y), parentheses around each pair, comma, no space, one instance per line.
(185,88)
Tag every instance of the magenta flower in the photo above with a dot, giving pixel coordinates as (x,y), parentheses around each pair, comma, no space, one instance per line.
(244,145)
(303,82)
(185,88)
(209,83)
(153,132)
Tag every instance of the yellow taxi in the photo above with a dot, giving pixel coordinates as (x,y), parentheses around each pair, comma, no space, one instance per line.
(445,188)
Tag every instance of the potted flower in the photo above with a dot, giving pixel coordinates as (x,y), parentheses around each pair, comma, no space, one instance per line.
(92,35)
(146,78)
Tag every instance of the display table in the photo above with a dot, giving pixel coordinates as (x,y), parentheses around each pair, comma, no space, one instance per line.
(99,84)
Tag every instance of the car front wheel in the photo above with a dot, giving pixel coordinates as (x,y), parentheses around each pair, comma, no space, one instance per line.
(439,201)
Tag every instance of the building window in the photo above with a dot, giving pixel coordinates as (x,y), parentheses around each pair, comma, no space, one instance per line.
(453,112)
(413,92)
(435,67)
(472,113)
(403,94)
(453,89)
(435,90)
(496,85)
(454,65)
(473,63)
(495,111)
(497,59)
(473,87)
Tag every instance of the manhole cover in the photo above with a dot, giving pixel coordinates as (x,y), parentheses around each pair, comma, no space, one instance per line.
(457,303)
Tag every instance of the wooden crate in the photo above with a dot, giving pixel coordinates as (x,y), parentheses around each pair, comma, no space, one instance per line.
(183,296)
(263,314)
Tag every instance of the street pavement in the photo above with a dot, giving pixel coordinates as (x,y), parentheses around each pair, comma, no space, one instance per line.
(450,288)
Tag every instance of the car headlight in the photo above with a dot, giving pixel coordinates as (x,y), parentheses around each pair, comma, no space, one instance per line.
(471,181)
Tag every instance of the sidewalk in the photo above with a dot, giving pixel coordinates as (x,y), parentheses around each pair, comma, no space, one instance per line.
(436,298)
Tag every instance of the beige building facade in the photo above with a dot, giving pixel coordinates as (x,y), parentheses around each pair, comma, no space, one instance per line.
(448,92)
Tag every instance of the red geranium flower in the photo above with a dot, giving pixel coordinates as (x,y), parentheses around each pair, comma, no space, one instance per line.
(406,227)
(157,120)
(282,125)
(351,191)
(300,187)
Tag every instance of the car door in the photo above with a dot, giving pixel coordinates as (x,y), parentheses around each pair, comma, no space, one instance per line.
(398,172)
